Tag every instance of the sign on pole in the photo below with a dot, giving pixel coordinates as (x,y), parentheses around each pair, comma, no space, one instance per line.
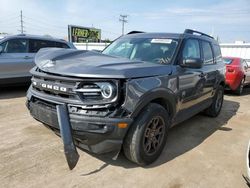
(83,34)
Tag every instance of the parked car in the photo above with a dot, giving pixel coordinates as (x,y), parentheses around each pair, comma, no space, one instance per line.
(17,54)
(237,74)
(129,95)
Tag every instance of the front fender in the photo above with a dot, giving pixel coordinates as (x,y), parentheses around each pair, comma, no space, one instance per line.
(140,92)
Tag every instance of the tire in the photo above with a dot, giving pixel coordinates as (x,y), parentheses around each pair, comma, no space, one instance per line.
(214,109)
(147,136)
(239,89)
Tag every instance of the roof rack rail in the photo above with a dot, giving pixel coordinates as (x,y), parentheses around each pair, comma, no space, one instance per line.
(190,31)
(134,32)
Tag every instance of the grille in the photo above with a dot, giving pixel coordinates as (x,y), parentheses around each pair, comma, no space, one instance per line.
(58,88)
(84,92)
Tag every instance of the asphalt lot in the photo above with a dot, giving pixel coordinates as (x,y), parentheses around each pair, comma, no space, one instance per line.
(201,152)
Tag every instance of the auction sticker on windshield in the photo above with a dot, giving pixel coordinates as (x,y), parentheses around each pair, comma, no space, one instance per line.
(165,41)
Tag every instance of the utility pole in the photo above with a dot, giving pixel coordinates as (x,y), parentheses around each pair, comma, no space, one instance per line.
(21,16)
(123,20)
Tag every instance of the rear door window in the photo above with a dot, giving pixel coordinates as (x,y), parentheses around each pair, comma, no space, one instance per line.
(207,53)
(16,46)
(36,45)
(217,53)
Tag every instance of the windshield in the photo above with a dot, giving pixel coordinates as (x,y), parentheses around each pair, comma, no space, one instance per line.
(155,50)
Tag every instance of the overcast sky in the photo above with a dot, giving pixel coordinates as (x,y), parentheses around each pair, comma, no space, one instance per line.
(228,19)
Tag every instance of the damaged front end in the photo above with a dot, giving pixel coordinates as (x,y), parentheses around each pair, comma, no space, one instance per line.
(77,110)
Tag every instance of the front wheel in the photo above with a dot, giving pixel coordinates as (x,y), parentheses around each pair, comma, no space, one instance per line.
(214,109)
(147,136)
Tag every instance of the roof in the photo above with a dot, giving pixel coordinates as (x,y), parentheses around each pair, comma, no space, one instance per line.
(168,35)
(27,36)
(153,35)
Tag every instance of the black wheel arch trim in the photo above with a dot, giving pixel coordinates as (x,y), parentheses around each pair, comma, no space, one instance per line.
(157,94)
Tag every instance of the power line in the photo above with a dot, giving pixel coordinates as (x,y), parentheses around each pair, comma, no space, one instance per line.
(123,20)
(8,19)
(44,22)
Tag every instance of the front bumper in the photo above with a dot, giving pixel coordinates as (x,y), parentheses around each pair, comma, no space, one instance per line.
(95,134)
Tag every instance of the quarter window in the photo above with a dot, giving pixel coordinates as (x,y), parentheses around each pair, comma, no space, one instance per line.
(207,53)
(16,46)
(61,45)
(191,49)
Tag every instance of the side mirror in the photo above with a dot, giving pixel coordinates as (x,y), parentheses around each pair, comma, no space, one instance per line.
(194,63)
(1,49)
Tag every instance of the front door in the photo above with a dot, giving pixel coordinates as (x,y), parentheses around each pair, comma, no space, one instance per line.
(15,60)
(191,81)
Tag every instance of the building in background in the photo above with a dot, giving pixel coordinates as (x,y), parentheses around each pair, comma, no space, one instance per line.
(237,49)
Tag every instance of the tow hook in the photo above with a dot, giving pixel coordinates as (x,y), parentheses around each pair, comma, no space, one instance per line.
(70,151)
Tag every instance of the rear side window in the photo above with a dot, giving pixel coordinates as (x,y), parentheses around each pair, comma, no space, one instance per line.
(36,45)
(16,46)
(227,61)
(207,53)
(191,49)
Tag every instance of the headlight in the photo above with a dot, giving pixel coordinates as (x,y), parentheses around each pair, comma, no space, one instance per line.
(98,91)
(107,90)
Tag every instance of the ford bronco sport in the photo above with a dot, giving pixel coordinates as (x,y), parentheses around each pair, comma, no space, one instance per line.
(129,95)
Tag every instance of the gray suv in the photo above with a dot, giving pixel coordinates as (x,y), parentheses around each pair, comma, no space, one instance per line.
(128,96)
(17,54)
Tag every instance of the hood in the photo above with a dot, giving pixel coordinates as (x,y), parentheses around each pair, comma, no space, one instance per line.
(90,64)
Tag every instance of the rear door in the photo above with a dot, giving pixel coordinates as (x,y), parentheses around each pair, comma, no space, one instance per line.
(209,69)
(36,44)
(15,59)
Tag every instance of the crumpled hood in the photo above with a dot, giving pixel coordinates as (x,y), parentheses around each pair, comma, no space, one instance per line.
(90,64)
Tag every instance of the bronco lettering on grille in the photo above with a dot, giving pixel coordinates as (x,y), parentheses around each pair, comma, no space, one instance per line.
(50,86)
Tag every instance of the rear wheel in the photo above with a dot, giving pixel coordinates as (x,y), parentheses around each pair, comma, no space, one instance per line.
(215,108)
(239,89)
(147,136)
